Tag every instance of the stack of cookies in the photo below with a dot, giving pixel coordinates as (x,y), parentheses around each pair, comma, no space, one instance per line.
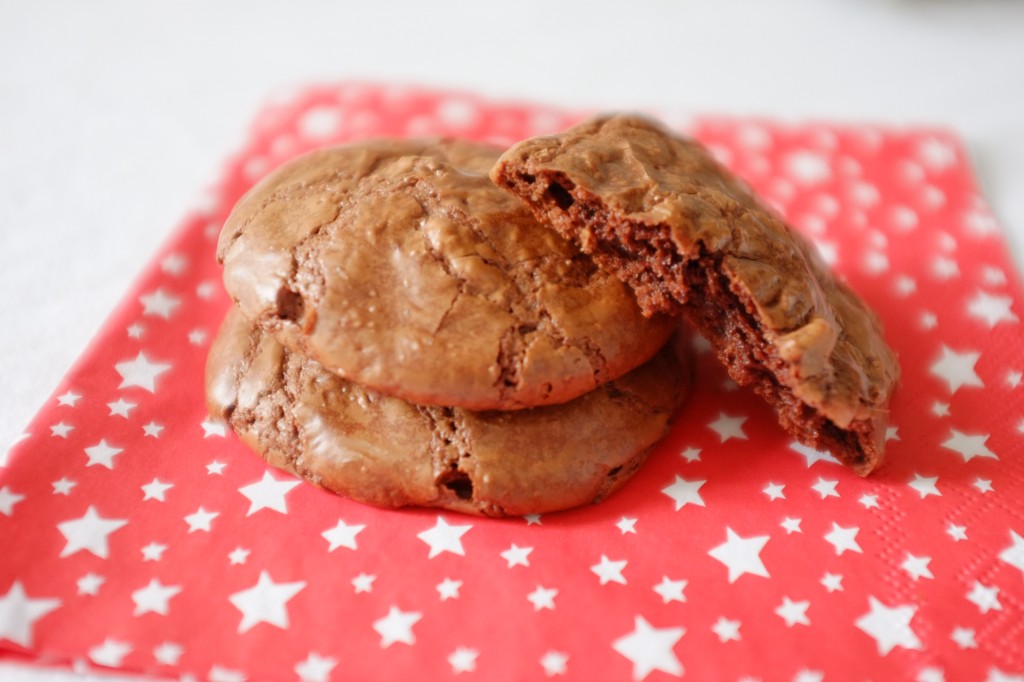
(441,323)
(407,333)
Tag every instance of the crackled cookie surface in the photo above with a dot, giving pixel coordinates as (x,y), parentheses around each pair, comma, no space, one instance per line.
(388,452)
(400,266)
(659,212)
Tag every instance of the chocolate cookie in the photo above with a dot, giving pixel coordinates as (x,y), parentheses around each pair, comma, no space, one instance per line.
(399,265)
(388,452)
(688,237)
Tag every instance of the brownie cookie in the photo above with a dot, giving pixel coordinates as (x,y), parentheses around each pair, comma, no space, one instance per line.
(688,237)
(388,452)
(400,266)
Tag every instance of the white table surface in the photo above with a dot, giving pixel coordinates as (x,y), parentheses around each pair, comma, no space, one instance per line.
(115,115)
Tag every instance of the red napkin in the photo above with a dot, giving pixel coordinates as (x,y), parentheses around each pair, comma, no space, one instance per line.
(140,535)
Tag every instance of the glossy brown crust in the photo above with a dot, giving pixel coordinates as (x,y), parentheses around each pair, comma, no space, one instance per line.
(391,262)
(387,452)
(688,237)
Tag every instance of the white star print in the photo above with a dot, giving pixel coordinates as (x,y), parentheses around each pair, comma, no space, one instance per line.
(159,304)
(342,535)
(19,613)
(774,491)
(448,589)
(89,533)
(940,409)
(140,372)
(685,492)
(268,493)
(63,486)
(811,455)
(221,674)
(152,429)
(239,555)
(609,571)
(9,498)
(969,446)
(554,663)
(69,399)
(200,520)
(945,268)
(691,454)
(905,285)
(90,584)
(956,532)
(626,525)
(993,276)
(265,602)
(363,583)
(463,660)
(153,598)
(925,485)
(396,627)
(793,612)
(991,309)
(174,264)
(155,489)
(843,539)
(153,552)
(889,626)
(869,501)
(168,653)
(1013,378)
(543,598)
(825,488)
(61,430)
(205,290)
(215,468)
(741,555)
(671,590)
(1014,554)
(213,427)
(929,320)
(120,408)
(984,597)
(517,556)
(832,582)
(997,675)
(102,454)
(444,537)
(135,331)
(957,369)
(649,648)
(875,263)
(728,427)
(532,519)
(110,653)
(937,155)
(791,525)
(197,337)
(964,638)
(917,566)
(727,630)
(315,668)
(983,484)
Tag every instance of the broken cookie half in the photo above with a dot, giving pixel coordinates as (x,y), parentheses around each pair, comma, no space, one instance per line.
(657,210)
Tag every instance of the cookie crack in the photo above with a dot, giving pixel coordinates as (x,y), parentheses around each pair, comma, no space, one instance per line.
(449,451)
(287,193)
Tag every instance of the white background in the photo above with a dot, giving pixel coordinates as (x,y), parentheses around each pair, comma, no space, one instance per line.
(115,115)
